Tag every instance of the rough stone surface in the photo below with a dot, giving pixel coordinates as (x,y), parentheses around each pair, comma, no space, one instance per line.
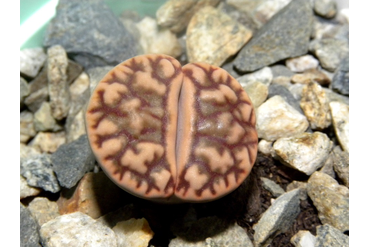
(27,152)
(315,106)
(281,70)
(329,236)
(303,238)
(263,75)
(76,228)
(24,90)
(277,218)
(71,161)
(340,116)
(275,89)
(305,152)
(27,128)
(75,126)
(43,119)
(256,91)
(43,210)
(272,187)
(176,14)
(39,173)
(276,119)
(340,82)
(57,64)
(28,229)
(31,61)
(330,199)
(302,63)
(272,43)
(48,142)
(133,233)
(311,75)
(26,190)
(204,41)
(91,33)
(341,164)
(325,8)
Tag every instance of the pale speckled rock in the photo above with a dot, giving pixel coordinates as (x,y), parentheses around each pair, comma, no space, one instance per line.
(75,126)
(263,75)
(31,60)
(96,74)
(311,75)
(266,148)
(267,9)
(43,119)
(176,14)
(277,119)
(277,218)
(27,128)
(272,187)
(133,233)
(340,116)
(315,106)
(157,40)
(57,64)
(341,164)
(305,152)
(330,199)
(302,63)
(302,186)
(329,236)
(24,90)
(26,190)
(27,152)
(303,238)
(76,228)
(48,142)
(29,236)
(204,41)
(325,8)
(43,210)
(256,91)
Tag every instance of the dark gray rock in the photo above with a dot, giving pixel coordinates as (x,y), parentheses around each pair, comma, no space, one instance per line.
(71,161)
(275,89)
(285,35)
(340,82)
(329,236)
(28,230)
(341,164)
(39,172)
(90,33)
(281,70)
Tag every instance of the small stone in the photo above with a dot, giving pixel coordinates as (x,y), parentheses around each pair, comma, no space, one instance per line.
(95,195)
(311,75)
(35,100)
(303,238)
(277,218)
(305,152)
(332,96)
(325,8)
(39,173)
(272,43)
(265,147)
(340,116)
(58,86)
(276,119)
(76,228)
(43,210)
(275,89)
(315,106)
(340,81)
(133,232)
(71,161)
(323,28)
(26,190)
(329,51)
(302,63)
(256,91)
(263,75)
(157,40)
(330,199)
(329,236)
(176,15)
(27,128)
(281,70)
(302,186)
(75,126)
(204,41)
(27,152)
(272,187)
(48,142)
(96,74)
(24,90)
(28,230)
(341,164)
(31,60)
(43,119)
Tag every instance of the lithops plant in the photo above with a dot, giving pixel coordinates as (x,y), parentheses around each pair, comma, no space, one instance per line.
(170,133)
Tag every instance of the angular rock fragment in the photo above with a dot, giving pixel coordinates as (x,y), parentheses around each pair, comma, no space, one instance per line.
(329,236)
(28,229)
(31,61)
(48,142)
(43,119)
(27,127)
(43,210)
(133,232)
(302,63)
(340,116)
(340,81)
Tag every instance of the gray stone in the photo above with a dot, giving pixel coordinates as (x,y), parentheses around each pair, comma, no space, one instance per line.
(305,152)
(71,161)
(303,238)
(286,35)
(28,230)
(43,119)
(330,199)
(27,128)
(27,152)
(277,218)
(31,60)
(39,173)
(340,116)
(92,34)
(329,236)
(275,89)
(48,142)
(276,118)
(325,8)
(43,210)
(26,190)
(204,41)
(281,70)
(256,91)
(263,75)
(96,74)
(24,90)
(302,63)
(323,28)
(329,51)
(76,228)
(57,64)
(341,164)
(340,82)
(272,187)
(332,96)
